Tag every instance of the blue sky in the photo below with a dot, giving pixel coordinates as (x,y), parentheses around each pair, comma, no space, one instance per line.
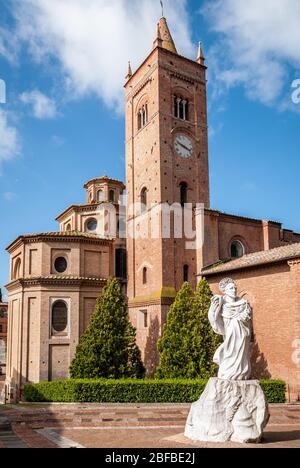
(63,121)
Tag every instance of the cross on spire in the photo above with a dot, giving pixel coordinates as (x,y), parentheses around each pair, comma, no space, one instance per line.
(162,8)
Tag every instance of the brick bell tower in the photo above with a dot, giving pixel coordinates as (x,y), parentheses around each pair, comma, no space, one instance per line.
(166,163)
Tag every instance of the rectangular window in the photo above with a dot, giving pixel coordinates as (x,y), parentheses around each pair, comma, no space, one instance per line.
(143,321)
(121,263)
(1,328)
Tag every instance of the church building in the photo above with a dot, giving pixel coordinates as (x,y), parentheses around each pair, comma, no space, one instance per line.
(56,277)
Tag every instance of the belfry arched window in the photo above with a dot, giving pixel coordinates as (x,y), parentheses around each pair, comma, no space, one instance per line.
(180,107)
(237,249)
(183,193)
(143,116)
(112,196)
(100,196)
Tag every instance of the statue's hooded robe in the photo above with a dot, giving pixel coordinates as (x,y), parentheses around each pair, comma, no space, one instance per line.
(233,355)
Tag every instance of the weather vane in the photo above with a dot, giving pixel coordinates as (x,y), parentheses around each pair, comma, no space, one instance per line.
(162,8)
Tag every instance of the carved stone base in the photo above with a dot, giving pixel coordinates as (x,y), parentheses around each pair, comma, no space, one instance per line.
(229,410)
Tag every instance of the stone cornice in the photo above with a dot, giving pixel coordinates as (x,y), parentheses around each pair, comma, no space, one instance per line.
(93,207)
(184,77)
(167,52)
(142,85)
(165,296)
(292,263)
(57,281)
(59,237)
(104,180)
(167,301)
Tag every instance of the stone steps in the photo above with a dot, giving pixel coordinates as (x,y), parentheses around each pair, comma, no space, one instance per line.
(8,439)
(55,416)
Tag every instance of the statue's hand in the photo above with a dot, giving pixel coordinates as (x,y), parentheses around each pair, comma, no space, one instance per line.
(245,317)
(216,301)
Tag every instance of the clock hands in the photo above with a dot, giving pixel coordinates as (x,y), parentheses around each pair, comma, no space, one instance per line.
(185,147)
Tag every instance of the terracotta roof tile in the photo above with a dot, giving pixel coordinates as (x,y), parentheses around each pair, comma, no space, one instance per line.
(67,277)
(264,257)
(63,235)
(104,178)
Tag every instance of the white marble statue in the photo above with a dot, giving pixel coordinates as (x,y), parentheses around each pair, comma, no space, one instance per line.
(231,317)
(232,408)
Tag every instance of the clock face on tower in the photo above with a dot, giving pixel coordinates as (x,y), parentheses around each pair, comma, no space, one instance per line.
(183,146)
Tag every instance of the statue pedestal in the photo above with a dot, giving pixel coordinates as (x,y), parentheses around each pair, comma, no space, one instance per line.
(229,410)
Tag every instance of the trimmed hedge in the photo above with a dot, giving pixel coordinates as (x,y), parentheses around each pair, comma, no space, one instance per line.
(132,391)
(275,390)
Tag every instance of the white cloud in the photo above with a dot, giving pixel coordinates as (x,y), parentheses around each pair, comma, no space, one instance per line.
(42,106)
(8,45)
(259,43)
(94,39)
(9,139)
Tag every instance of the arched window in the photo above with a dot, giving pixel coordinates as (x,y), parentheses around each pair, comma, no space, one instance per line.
(183,193)
(142,116)
(59,319)
(145,275)
(181,108)
(100,196)
(112,196)
(17,269)
(145,115)
(237,249)
(144,199)
(139,120)
(69,227)
(185,273)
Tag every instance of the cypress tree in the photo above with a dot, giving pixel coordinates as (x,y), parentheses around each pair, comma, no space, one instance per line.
(108,347)
(175,347)
(188,343)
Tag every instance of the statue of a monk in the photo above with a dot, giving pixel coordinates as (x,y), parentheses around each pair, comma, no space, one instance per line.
(231,317)
(232,407)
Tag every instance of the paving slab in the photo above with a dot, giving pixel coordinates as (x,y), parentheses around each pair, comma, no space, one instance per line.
(124,426)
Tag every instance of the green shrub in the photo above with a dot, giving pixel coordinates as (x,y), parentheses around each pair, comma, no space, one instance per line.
(188,343)
(132,391)
(108,349)
(275,390)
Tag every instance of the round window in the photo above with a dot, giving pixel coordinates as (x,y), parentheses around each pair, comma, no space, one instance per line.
(92,225)
(60,264)
(59,316)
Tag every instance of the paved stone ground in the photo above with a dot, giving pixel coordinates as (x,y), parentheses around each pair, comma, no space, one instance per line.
(123,426)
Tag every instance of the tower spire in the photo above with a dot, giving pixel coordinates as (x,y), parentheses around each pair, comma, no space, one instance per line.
(200,56)
(129,72)
(158,42)
(164,38)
